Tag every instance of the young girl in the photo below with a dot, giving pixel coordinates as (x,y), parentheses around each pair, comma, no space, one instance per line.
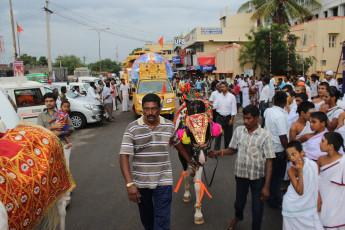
(63,117)
(331,182)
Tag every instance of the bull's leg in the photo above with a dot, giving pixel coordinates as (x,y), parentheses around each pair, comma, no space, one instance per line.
(61,208)
(198,218)
(186,196)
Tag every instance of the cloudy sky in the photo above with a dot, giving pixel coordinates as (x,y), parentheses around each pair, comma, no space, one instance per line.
(136,21)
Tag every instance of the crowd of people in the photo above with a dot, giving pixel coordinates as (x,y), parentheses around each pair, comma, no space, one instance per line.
(299,140)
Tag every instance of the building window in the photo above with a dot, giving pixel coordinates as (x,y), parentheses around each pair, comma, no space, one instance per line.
(323,62)
(335,11)
(169,51)
(331,41)
(325,13)
(316,15)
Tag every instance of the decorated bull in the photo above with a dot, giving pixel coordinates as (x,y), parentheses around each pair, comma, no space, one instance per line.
(196,130)
(34,178)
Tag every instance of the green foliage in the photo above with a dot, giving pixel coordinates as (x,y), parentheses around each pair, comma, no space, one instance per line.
(69,61)
(279,11)
(31,60)
(297,64)
(136,49)
(107,65)
(43,61)
(257,51)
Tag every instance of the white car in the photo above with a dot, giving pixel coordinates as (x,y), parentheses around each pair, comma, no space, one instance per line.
(83,109)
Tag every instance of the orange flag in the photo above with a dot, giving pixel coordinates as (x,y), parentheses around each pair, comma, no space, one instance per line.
(161,41)
(164,90)
(19,29)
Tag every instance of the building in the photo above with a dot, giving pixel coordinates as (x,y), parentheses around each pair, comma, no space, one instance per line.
(322,36)
(209,42)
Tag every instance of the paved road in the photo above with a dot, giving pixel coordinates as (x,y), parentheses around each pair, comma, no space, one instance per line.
(100,199)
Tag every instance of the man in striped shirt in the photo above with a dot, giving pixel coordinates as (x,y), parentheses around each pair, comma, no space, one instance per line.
(150,184)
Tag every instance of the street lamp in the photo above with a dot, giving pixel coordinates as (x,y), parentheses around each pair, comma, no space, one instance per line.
(99,44)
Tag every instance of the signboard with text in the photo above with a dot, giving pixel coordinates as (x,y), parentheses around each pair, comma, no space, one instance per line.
(18,68)
(176,60)
(211,30)
(207,67)
(179,41)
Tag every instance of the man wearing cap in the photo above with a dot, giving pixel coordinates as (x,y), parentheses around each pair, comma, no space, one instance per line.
(330,79)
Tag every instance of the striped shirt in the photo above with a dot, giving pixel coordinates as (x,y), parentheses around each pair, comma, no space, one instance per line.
(150,151)
(252,151)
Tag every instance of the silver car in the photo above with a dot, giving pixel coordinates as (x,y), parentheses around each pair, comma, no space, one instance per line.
(83,109)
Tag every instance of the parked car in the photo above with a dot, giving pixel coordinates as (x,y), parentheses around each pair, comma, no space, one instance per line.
(27,96)
(83,109)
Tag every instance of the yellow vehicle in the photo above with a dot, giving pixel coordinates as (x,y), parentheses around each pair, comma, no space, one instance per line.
(152,73)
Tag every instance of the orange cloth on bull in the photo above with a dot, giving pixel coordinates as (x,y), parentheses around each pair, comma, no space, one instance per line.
(33,174)
(180,180)
(202,190)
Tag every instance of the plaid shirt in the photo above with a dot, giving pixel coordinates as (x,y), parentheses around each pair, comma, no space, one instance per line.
(252,151)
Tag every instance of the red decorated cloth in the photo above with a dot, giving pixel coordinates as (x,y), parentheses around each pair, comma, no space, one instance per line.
(33,174)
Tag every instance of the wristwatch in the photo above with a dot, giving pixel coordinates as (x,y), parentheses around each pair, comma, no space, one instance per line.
(130,184)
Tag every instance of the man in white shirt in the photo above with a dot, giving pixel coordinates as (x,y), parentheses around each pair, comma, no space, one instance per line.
(314,85)
(272,83)
(277,126)
(58,101)
(108,100)
(124,89)
(212,100)
(91,92)
(226,109)
(264,99)
(330,79)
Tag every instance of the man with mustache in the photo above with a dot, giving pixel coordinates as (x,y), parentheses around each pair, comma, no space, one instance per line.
(150,184)
(253,167)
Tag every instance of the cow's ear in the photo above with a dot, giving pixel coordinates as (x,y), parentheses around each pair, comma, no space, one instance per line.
(189,105)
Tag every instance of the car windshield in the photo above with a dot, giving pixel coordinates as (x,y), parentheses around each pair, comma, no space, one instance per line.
(86,86)
(153,87)
(28,97)
(70,94)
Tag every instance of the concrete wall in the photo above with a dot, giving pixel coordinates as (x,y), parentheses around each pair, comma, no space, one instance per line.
(316,44)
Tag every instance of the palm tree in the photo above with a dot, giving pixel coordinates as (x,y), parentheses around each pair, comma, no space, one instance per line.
(279,11)
(250,6)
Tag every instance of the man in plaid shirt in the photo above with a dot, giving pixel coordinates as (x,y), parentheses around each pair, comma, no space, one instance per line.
(253,166)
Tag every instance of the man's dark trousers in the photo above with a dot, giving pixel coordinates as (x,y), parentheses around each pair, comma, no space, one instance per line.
(242,187)
(155,206)
(227,131)
(278,173)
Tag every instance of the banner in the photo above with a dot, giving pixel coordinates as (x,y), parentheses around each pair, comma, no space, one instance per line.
(207,67)
(176,60)
(183,53)
(18,68)
(206,60)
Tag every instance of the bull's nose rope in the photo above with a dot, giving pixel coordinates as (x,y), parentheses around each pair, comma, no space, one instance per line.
(202,190)
(180,181)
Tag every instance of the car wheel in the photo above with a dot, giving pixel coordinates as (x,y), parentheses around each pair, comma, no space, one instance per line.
(78,120)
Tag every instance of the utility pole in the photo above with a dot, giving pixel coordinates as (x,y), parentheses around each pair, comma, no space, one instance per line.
(84,59)
(117,54)
(13,33)
(99,45)
(48,36)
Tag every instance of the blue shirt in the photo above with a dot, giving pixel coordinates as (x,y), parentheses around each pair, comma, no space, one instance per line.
(198,84)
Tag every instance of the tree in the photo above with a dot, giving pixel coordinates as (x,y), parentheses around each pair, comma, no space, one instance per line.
(257,51)
(27,59)
(107,65)
(69,61)
(136,49)
(42,61)
(279,11)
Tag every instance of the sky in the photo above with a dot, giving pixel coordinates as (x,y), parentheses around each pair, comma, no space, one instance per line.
(136,21)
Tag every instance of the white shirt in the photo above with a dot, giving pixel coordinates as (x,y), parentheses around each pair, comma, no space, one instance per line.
(226,105)
(272,83)
(265,93)
(124,89)
(314,86)
(334,113)
(214,96)
(107,91)
(277,125)
(307,88)
(332,82)
(293,115)
(91,93)
(260,85)
(58,103)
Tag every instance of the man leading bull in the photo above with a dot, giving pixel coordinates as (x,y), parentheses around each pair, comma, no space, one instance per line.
(150,184)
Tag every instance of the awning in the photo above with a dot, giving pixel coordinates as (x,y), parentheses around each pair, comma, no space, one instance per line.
(181,68)
(223,71)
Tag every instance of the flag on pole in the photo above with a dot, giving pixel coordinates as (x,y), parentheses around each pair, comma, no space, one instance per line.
(161,41)
(19,29)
